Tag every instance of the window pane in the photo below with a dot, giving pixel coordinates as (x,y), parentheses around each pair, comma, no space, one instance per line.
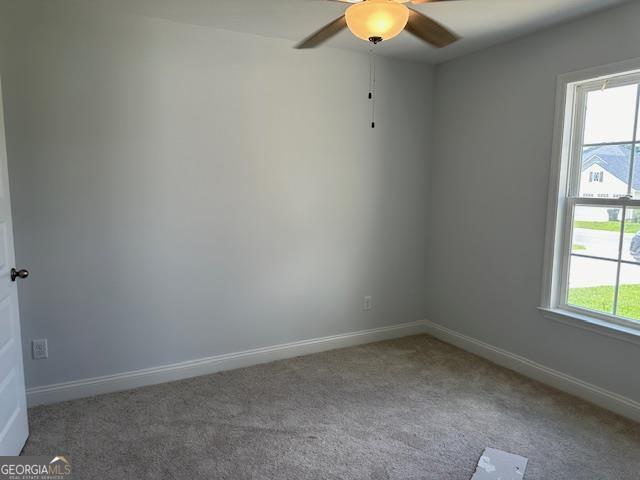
(596,231)
(635,185)
(605,171)
(629,293)
(631,242)
(592,284)
(610,115)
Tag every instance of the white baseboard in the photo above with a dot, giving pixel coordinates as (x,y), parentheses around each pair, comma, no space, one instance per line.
(149,376)
(611,401)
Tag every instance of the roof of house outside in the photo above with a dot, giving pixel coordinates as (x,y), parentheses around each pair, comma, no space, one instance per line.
(616,160)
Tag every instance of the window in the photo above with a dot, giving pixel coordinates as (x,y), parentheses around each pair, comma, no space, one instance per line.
(593,238)
(595,177)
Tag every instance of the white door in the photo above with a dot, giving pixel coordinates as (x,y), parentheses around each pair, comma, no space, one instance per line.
(13,408)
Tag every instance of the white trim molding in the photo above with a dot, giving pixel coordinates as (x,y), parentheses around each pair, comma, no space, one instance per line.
(150,376)
(599,396)
(89,387)
(592,324)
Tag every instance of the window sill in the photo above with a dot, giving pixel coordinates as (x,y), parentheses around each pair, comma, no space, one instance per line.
(585,322)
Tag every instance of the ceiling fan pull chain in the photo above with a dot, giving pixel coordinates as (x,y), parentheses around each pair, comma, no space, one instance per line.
(372,86)
(370,73)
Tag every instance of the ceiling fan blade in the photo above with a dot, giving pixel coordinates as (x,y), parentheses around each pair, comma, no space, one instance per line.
(324,34)
(429,30)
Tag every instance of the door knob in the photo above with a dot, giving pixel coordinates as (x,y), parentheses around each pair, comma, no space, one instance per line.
(18,274)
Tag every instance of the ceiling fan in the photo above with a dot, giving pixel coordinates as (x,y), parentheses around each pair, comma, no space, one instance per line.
(379,20)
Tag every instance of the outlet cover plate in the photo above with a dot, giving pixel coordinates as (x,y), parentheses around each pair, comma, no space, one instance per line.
(39,349)
(367,304)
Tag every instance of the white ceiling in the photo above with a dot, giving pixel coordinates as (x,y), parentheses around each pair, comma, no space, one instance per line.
(481,23)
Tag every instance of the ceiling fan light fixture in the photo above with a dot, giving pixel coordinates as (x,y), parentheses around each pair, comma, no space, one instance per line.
(377,19)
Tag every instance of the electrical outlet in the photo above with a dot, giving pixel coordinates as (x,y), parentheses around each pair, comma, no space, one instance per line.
(39,349)
(367,305)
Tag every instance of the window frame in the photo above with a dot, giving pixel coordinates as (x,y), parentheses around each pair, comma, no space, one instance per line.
(572,91)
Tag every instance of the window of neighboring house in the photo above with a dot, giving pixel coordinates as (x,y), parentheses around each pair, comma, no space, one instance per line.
(596,177)
(593,246)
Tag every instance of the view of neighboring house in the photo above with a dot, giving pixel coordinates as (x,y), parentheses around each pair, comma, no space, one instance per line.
(605,174)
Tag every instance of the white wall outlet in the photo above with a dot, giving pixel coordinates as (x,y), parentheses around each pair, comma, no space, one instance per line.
(367,304)
(39,349)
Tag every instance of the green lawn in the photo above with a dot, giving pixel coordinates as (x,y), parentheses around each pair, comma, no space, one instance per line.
(601,299)
(577,248)
(629,227)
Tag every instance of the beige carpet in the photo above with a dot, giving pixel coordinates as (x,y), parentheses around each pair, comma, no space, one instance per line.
(413,408)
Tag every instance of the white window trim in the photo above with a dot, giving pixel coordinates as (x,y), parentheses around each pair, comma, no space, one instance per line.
(555,243)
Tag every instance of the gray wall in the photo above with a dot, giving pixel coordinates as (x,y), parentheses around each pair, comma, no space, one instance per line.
(180,192)
(494,116)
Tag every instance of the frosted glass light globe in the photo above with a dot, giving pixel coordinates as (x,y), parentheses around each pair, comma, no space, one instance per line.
(377,19)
